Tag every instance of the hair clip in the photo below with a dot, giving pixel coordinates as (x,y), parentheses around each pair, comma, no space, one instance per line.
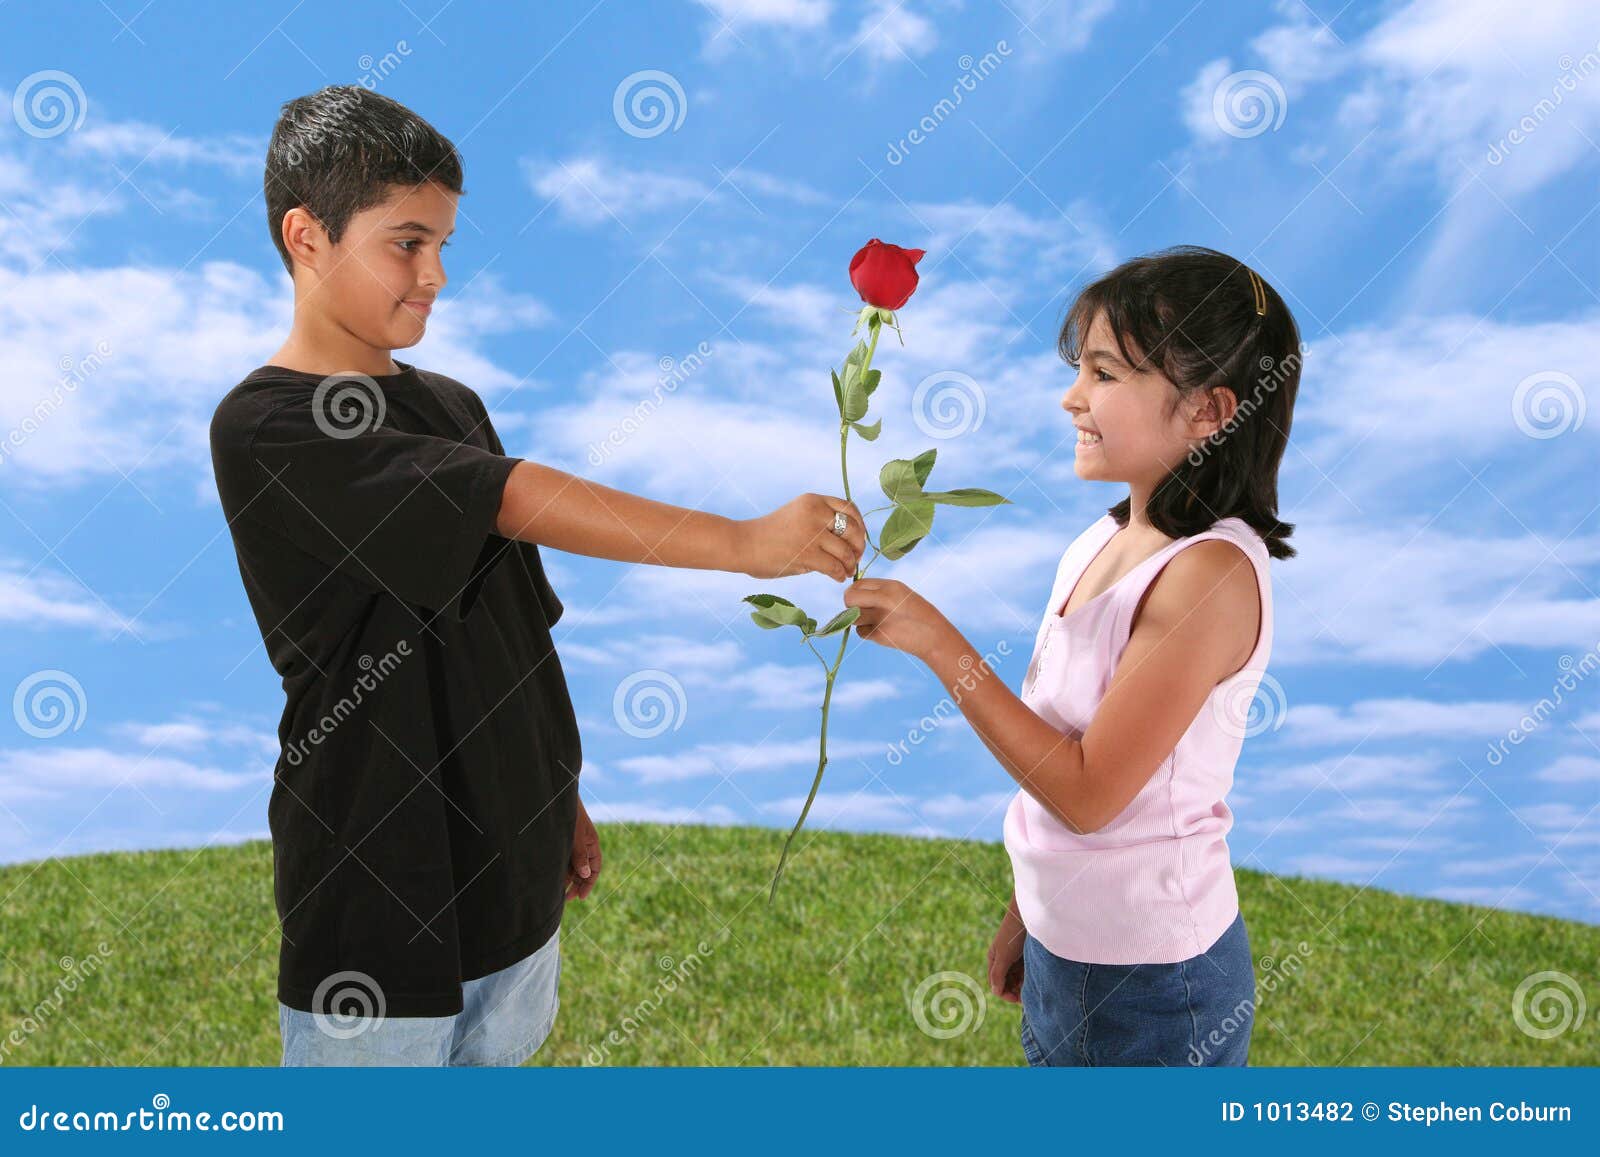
(1258,287)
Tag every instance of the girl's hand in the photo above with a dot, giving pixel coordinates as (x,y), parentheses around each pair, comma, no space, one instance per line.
(896,616)
(1005,956)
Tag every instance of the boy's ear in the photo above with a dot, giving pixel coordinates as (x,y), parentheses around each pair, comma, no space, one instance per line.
(303,235)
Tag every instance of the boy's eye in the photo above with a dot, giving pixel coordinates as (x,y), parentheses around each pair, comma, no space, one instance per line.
(418,241)
(1106,377)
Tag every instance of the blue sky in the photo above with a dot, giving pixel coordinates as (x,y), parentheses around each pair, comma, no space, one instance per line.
(1440,475)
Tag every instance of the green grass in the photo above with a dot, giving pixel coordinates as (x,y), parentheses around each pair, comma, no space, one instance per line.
(824,977)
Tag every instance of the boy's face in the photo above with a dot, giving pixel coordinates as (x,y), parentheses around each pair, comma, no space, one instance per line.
(380,280)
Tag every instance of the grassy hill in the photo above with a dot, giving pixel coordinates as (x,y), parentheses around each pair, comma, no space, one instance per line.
(826,976)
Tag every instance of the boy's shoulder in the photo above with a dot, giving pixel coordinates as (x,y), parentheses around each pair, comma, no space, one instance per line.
(269,388)
(257,394)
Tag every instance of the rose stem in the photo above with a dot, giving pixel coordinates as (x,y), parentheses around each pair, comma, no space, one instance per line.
(844,639)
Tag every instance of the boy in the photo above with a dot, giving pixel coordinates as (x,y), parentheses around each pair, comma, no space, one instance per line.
(425,818)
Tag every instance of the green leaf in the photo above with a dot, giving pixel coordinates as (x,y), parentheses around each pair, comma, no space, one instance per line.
(907,525)
(902,478)
(838,392)
(870,382)
(772,612)
(870,433)
(855,399)
(839,622)
(856,356)
(966,496)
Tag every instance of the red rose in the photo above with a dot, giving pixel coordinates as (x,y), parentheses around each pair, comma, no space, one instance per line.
(885,275)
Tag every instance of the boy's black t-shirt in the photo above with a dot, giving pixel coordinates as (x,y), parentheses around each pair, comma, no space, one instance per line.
(424,799)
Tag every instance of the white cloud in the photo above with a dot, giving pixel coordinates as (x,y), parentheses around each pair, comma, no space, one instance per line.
(1570,769)
(142,144)
(594,191)
(61,771)
(1487,101)
(1196,100)
(118,369)
(779,13)
(1346,773)
(892,31)
(598,191)
(1412,595)
(729,759)
(723,668)
(606,811)
(1410,718)
(45,598)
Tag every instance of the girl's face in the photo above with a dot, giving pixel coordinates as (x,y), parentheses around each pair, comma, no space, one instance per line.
(1131,425)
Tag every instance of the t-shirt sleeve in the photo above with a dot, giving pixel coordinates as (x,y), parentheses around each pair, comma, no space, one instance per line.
(549,601)
(412,514)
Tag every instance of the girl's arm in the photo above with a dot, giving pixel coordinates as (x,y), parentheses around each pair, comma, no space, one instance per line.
(1198,625)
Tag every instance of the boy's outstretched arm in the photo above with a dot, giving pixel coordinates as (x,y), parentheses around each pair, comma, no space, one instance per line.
(553,508)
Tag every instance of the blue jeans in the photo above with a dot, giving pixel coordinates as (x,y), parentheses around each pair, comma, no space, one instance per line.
(505,1017)
(1194,1012)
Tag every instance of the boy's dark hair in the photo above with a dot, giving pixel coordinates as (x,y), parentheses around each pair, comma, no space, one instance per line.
(338,151)
(1191,314)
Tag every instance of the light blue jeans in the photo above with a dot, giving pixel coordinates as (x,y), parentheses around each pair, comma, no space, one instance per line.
(505,1017)
(1198,1011)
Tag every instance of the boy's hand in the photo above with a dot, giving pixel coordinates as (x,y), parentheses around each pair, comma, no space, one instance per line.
(798,537)
(1005,956)
(896,616)
(584,867)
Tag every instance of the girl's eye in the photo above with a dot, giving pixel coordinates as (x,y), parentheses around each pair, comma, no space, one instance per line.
(1107,377)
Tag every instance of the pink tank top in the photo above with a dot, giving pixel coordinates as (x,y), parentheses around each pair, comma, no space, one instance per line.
(1155,885)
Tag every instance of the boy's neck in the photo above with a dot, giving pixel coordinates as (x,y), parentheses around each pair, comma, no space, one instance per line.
(332,354)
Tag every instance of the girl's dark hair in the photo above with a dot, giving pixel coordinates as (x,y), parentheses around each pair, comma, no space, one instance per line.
(338,151)
(1190,313)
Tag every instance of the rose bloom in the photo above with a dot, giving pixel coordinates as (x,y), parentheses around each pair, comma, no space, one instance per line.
(885,275)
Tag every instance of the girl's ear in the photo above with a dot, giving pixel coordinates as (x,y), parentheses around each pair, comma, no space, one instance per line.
(1216,406)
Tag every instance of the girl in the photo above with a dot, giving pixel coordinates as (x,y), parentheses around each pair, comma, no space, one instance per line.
(1123,940)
